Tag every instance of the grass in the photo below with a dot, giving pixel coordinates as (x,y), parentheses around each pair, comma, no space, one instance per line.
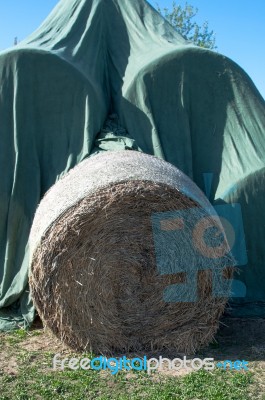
(33,379)
(32,383)
(19,335)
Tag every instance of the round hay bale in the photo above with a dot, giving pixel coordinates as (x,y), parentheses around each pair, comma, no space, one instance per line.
(125,255)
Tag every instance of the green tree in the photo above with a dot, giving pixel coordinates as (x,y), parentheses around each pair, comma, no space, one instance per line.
(182,19)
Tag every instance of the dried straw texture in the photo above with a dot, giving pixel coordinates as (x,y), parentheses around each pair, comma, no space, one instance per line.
(94,276)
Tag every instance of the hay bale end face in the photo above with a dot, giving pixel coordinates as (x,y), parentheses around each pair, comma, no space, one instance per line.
(114,257)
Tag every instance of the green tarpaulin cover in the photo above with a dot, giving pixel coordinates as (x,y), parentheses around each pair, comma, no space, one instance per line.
(93,61)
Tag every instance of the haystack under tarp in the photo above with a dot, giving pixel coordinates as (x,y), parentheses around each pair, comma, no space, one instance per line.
(192,107)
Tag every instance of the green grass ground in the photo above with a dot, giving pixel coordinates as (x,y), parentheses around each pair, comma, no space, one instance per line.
(26,371)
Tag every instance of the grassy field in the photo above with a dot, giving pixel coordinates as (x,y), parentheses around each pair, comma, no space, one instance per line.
(26,370)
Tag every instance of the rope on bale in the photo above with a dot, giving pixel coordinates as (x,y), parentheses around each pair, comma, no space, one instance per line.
(109,253)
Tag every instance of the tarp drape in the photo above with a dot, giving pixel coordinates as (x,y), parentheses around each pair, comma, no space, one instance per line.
(190,106)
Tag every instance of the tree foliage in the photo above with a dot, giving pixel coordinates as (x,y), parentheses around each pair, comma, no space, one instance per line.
(182,19)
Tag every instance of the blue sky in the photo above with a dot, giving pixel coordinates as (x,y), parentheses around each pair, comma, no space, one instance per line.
(239,26)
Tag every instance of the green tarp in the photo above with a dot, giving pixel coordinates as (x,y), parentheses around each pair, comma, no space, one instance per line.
(91,59)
